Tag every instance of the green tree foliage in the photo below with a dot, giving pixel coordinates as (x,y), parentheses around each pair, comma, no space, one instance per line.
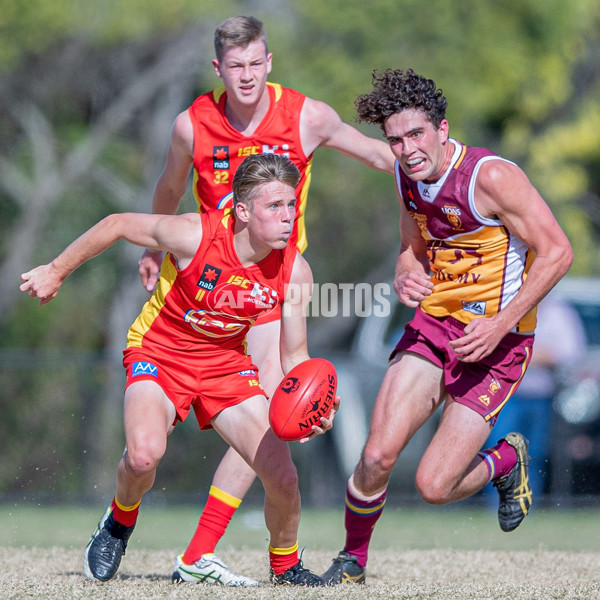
(521,78)
(30,28)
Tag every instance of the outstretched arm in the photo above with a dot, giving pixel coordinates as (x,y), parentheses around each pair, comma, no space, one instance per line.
(320,125)
(178,234)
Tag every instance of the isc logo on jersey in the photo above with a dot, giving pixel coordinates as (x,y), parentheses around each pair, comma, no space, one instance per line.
(282,150)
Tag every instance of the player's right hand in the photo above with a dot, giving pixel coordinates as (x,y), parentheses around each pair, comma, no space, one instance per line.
(149,268)
(412,287)
(43,282)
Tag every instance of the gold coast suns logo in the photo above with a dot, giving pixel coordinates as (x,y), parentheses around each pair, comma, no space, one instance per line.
(453,215)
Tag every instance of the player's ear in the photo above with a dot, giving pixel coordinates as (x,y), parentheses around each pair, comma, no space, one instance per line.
(217,67)
(242,212)
(443,130)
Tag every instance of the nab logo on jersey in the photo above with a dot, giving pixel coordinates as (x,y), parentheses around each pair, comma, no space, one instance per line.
(220,157)
(210,276)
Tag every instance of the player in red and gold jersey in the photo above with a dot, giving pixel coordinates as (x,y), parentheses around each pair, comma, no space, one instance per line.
(187,350)
(246,116)
(479,250)
(219,147)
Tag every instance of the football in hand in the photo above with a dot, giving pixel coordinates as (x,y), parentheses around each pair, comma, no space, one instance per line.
(305,395)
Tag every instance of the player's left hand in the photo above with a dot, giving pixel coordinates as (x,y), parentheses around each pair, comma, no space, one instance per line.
(326,424)
(481,336)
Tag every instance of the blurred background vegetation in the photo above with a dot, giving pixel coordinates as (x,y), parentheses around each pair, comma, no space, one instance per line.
(88,93)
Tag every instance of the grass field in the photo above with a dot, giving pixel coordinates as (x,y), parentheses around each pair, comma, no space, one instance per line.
(417,553)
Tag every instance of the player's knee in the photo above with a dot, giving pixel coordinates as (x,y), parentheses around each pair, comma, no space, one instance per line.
(288,480)
(376,462)
(280,480)
(432,488)
(283,482)
(143,458)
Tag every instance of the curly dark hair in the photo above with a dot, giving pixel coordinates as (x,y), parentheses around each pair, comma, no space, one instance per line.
(395,91)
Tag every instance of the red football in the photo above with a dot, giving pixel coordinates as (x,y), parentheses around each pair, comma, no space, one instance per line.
(304,396)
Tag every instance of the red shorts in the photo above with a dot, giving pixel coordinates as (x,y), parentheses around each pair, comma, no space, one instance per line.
(208,383)
(484,386)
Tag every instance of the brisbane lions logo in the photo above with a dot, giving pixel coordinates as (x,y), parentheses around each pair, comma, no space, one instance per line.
(453,215)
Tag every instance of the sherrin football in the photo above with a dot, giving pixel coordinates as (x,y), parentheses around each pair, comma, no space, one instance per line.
(305,395)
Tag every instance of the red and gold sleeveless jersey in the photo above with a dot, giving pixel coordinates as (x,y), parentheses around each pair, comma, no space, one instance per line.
(219,148)
(477,265)
(210,305)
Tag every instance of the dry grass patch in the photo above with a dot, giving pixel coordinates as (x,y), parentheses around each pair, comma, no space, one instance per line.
(56,574)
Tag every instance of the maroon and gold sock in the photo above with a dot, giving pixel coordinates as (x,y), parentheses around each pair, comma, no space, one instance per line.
(499,459)
(362,513)
(215,517)
(282,559)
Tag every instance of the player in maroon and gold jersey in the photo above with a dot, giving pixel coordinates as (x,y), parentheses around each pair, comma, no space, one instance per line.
(479,250)
(246,116)
(187,350)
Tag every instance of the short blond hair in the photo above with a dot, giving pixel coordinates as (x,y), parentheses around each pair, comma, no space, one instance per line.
(257,169)
(238,32)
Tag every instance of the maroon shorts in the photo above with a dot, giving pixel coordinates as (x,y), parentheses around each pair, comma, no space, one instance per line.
(484,386)
(208,384)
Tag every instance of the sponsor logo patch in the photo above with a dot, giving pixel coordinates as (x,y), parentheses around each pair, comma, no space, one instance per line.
(247,373)
(144,368)
(220,157)
(477,307)
(209,278)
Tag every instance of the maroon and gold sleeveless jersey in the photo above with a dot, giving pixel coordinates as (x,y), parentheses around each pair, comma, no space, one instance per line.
(477,265)
(209,306)
(219,148)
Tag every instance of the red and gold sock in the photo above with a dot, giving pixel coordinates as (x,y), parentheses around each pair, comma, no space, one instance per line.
(282,559)
(125,515)
(499,459)
(215,517)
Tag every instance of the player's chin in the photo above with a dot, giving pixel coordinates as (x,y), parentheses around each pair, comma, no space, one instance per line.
(281,243)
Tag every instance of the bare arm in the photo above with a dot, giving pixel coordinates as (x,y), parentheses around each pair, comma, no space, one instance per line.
(170,189)
(172,184)
(293,346)
(504,192)
(178,234)
(412,282)
(320,125)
